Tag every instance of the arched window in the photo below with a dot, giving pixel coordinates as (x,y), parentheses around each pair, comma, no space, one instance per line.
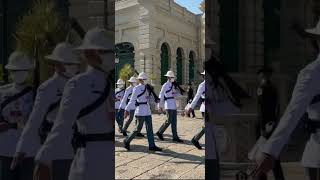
(125,54)
(191,66)
(271,28)
(165,61)
(179,65)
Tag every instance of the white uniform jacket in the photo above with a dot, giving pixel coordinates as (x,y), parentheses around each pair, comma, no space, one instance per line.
(143,109)
(126,98)
(200,94)
(306,88)
(118,97)
(96,161)
(23,105)
(49,92)
(168,91)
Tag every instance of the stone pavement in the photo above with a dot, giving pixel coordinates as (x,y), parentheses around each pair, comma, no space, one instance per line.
(291,170)
(177,161)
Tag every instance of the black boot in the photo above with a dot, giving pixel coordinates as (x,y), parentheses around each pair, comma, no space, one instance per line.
(155,148)
(140,135)
(177,140)
(160,136)
(126,145)
(196,144)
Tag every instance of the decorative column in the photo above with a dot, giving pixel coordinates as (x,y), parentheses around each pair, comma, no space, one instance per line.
(146,39)
(96,13)
(79,10)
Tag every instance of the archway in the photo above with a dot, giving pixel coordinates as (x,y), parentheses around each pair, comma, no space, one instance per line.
(125,55)
(271,29)
(165,61)
(179,65)
(191,66)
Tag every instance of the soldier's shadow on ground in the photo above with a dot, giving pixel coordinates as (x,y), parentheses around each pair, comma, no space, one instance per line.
(180,158)
(167,140)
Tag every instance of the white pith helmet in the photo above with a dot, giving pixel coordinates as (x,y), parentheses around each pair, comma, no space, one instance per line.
(170,74)
(19,61)
(315,30)
(142,76)
(120,82)
(132,79)
(97,39)
(64,53)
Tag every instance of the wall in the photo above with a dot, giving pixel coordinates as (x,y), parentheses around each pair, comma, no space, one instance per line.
(147,24)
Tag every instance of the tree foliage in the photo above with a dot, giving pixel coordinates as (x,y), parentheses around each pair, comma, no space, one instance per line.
(40,29)
(126,72)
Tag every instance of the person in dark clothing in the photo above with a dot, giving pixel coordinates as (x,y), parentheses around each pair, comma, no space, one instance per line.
(268,113)
(190,98)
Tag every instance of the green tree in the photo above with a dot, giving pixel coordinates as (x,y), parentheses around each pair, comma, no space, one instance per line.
(126,72)
(38,32)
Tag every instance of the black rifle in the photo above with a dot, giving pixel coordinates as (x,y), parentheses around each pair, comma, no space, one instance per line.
(177,86)
(77,27)
(36,71)
(216,70)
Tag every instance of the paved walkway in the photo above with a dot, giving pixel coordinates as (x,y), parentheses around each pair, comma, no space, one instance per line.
(177,161)
(292,171)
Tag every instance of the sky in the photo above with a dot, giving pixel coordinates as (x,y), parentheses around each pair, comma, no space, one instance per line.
(191,5)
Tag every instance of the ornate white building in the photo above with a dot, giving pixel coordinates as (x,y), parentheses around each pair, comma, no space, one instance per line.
(157,35)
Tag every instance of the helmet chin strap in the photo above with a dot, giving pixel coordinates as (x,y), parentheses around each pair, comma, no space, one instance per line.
(142,81)
(20,84)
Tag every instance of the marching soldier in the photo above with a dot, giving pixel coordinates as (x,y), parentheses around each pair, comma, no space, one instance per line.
(16,101)
(125,100)
(41,120)
(167,100)
(199,95)
(305,98)
(85,107)
(268,109)
(139,98)
(119,93)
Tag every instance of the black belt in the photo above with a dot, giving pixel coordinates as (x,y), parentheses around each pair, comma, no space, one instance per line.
(203,100)
(44,130)
(312,126)
(166,98)
(140,103)
(11,125)
(80,140)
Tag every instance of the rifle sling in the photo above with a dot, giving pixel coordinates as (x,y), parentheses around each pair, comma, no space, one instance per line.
(91,107)
(13,98)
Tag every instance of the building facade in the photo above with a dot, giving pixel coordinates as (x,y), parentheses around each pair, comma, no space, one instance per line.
(156,36)
(249,35)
